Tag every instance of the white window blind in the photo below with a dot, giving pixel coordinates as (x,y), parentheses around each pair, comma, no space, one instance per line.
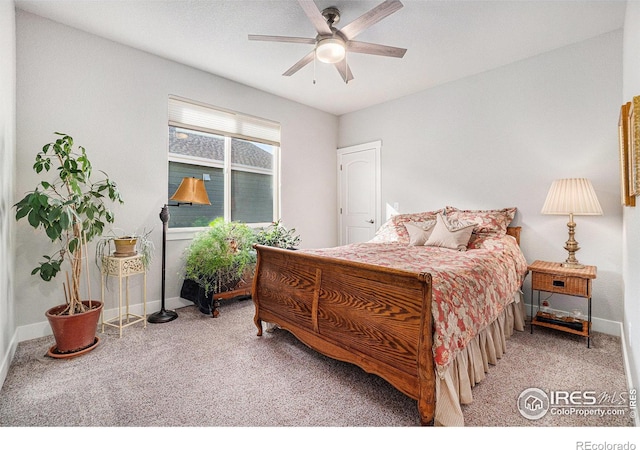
(191,114)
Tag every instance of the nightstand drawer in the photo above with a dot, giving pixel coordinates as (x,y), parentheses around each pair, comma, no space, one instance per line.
(561,284)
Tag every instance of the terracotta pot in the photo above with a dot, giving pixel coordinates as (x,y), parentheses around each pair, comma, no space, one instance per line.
(125,246)
(77,332)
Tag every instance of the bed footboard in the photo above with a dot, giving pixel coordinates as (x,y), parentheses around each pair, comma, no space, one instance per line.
(374,317)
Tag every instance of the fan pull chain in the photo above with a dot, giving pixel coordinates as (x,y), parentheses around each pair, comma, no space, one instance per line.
(346,68)
(314,66)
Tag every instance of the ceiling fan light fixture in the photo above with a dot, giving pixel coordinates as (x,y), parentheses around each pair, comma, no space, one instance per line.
(331,50)
(330,43)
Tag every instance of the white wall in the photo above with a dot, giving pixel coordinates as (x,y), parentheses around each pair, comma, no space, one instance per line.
(113,100)
(631,221)
(7,165)
(492,140)
(499,139)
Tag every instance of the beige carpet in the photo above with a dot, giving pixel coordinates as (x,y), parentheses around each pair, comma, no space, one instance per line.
(202,372)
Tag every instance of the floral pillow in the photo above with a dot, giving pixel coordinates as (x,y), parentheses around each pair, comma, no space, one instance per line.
(386,233)
(394,229)
(488,222)
(480,241)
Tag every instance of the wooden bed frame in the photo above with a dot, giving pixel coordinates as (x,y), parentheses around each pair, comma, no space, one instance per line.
(375,317)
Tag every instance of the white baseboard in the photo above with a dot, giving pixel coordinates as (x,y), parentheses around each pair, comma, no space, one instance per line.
(8,357)
(41,329)
(627,370)
(34,331)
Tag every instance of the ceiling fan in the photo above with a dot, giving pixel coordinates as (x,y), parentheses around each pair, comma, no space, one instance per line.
(331,44)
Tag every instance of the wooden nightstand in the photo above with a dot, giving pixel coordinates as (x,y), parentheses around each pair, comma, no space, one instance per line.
(552,277)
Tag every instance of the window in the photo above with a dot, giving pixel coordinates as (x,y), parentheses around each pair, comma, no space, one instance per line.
(236,155)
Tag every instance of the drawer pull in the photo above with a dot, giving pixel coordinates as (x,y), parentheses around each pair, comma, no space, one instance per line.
(558,283)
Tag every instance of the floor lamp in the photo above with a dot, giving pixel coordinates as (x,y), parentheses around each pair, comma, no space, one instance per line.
(190,192)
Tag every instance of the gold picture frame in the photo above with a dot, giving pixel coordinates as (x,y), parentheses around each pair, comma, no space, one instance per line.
(623,143)
(634,147)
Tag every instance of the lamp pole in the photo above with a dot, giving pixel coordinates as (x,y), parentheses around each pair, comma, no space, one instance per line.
(190,191)
(163,315)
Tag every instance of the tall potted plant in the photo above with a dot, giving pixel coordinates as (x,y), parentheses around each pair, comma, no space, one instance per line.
(72,211)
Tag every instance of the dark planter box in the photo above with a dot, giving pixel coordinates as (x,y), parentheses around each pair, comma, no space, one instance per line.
(208,304)
(192,291)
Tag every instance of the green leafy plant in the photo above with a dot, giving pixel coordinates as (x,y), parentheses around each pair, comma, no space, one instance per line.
(277,235)
(70,209)
(220,256)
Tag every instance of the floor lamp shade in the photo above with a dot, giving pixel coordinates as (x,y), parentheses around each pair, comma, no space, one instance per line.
(572,196)
(191,191)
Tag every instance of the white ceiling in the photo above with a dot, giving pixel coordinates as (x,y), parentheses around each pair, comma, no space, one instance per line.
(446,40)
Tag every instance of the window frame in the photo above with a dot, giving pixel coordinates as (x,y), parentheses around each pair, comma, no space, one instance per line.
(180,233)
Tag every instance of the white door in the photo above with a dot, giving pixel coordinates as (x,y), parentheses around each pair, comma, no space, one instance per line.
(359,192)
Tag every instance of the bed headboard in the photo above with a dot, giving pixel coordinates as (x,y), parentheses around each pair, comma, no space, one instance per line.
(515,232)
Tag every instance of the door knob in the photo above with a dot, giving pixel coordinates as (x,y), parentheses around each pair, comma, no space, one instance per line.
(370,221)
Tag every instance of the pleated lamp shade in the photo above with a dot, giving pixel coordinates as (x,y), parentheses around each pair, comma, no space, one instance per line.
(572,196)
(191,190)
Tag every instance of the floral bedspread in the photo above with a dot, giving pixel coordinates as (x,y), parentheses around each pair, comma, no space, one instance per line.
(470,289)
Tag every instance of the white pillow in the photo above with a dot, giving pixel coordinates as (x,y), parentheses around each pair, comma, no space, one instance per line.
(419,232)
(453,235)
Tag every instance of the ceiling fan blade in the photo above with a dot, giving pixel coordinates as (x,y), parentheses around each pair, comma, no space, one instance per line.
(344,70)
(295,40)
(316,17)
(370,18)
(375,49)
(300,64)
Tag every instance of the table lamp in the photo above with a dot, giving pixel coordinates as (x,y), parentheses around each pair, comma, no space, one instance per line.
(572,196)
(190,192)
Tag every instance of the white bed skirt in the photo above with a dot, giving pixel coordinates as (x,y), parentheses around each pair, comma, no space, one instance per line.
(472,363)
